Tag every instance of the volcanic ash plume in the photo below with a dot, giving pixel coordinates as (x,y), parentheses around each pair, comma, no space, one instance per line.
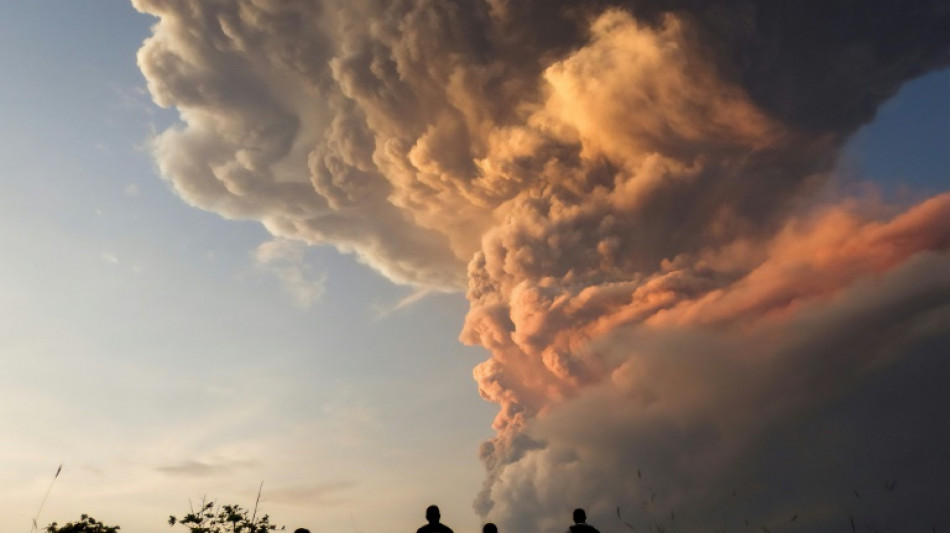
(631,186)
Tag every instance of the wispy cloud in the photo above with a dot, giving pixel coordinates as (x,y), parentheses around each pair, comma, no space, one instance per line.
(285,260)
(194,468)
(382,310)
(312,495)
(109,257)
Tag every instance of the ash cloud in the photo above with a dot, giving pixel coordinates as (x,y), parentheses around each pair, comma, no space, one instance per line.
(627,191)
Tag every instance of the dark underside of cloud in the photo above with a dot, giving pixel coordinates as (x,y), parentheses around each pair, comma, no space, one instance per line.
(628,192)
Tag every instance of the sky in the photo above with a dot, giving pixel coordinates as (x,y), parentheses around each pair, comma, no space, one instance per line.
(682,255)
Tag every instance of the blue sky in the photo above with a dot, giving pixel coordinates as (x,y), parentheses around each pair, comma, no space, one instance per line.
(907,144)
(146,349)
(131,319)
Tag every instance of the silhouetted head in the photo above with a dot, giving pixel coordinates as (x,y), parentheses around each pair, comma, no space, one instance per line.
(432,514)
(489,528)
(301,530)
(579,516)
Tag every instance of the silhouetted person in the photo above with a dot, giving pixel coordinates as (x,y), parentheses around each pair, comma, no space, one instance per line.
(489,528)
(580,523)
(434,526)
(301,530)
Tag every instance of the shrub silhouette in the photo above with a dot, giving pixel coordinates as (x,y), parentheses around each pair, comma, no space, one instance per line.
(224,519)
(86,524)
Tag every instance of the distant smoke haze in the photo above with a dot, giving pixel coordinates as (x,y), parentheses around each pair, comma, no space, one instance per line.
(627,191)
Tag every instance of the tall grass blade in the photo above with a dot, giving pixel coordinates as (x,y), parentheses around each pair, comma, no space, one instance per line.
(256,503)
(36,517)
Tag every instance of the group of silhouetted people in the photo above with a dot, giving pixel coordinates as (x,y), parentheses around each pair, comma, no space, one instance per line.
(435,526)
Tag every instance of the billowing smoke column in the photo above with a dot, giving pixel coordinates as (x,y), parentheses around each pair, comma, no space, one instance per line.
(628,190)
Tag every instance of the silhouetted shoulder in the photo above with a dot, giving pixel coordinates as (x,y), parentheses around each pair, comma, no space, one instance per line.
(435,528)
(583,528)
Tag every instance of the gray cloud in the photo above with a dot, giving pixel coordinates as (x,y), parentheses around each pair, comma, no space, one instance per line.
(791,415)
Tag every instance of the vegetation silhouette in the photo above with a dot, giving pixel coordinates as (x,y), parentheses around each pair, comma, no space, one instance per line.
(860,511)
(210,518)
(85,524)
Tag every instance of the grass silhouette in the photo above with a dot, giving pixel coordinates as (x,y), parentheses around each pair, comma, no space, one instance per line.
(859,513)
